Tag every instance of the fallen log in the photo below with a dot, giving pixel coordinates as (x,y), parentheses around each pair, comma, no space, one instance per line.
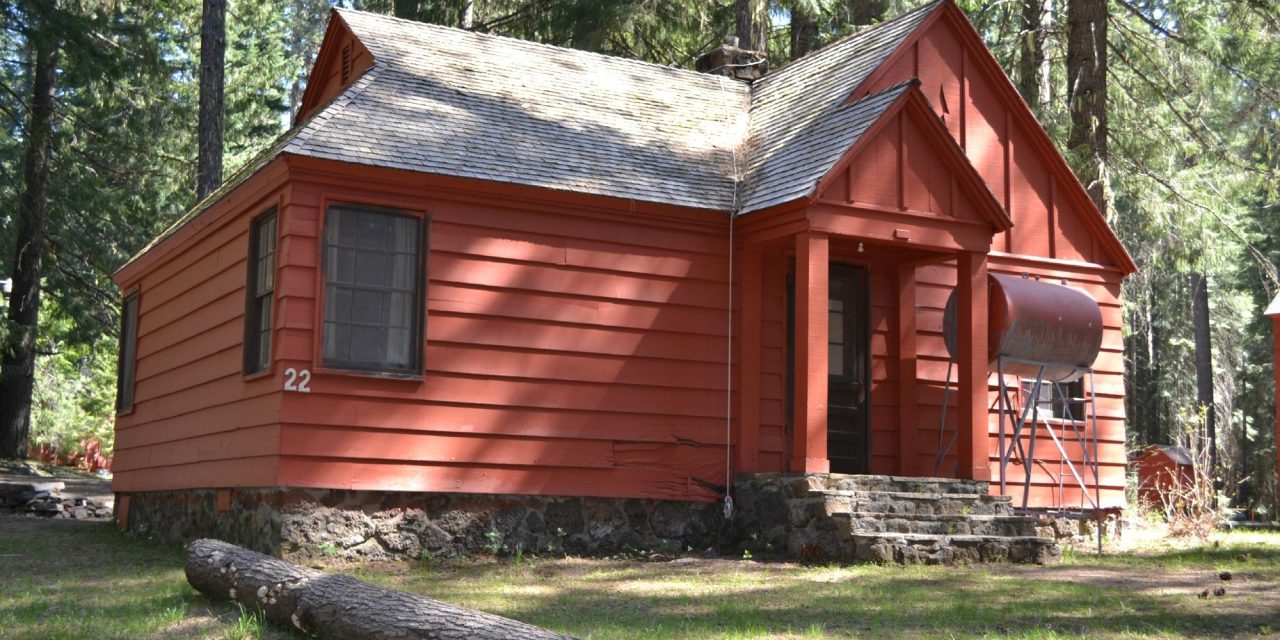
(334,605)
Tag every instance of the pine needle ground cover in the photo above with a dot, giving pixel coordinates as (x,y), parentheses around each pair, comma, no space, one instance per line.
(61,579)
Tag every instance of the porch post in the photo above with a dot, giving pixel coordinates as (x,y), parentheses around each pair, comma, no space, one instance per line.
(971,329)
(748,444)
(907,373)
(809,444)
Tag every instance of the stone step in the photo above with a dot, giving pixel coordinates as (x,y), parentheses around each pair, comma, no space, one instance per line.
(838,501)
(978,525)
(903,484)
(913,548)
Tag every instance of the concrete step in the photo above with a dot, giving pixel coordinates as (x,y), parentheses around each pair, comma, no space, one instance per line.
(978,525)
(913,548)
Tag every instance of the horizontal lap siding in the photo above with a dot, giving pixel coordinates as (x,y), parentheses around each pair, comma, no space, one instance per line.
(774,450)
(934,285)
(571,352)
(196,420)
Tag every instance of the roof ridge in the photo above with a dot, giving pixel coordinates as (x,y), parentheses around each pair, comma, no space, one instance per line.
(782,72)
(533,43)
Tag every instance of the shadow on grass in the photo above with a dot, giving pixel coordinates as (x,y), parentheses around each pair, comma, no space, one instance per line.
(80,579)
(652,601)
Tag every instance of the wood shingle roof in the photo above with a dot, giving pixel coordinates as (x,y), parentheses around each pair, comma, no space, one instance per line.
(453,102)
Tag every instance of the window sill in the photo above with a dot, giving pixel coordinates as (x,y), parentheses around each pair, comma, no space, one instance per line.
(258,375)
(361,373)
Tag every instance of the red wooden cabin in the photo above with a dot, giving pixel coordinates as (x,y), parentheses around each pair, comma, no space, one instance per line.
(483,265)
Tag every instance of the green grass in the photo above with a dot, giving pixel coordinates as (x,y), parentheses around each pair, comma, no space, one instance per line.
(1153,595)
(77,580)
(66,579)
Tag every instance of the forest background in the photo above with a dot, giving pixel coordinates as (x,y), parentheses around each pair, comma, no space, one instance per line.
(1169,111)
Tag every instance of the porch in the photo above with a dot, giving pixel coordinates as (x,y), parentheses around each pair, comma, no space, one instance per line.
(841,343)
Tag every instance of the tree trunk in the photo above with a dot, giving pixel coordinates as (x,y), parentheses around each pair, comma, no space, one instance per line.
(749,25)
(865,12)
(407,9)
(336,606)
(1204,363)
(18,361)
(213,49)
(468,14)
(1033,58)
(804,32)
(1087,96)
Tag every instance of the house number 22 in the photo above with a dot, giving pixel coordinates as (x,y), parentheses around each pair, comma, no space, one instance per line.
(297,380)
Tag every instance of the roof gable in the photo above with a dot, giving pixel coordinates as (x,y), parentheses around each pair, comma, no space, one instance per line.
(342,60)
(1273,309)
(907,161)
(1079,216)
(798,122)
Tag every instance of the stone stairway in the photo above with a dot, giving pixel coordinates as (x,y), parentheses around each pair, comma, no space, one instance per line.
(847,518)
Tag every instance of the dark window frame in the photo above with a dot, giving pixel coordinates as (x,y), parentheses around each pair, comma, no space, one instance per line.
(418,328)
(127,354)
(257,356)
(1052,406)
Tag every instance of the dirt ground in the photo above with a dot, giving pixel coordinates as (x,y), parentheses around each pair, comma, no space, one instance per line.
(78,483)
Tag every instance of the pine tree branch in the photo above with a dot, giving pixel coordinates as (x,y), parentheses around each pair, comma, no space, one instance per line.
(1199,132)
(1250,81)
(1265,265)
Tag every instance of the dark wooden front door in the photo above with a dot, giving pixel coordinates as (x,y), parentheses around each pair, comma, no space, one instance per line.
(848,390)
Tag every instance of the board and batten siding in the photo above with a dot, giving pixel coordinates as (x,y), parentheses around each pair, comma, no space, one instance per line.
(196,419)
(570,349)
(1050,239)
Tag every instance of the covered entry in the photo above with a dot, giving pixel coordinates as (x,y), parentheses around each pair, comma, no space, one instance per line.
(831,319)
(849,365)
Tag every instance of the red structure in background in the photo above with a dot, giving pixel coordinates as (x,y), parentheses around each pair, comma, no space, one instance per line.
(1273,312)
(90,458)
(1163,467)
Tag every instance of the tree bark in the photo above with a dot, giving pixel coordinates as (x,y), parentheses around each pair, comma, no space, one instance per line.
(407,9)
(337,606)
(1204,363)
(468,14)
(1087,96)
(865,12)
(749,27)
(1033,59)
(804,32)
(213,49)
(18,361)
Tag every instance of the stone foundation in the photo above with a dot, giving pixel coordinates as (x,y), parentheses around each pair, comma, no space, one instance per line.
(367,525)
(1080,529)
(816,518)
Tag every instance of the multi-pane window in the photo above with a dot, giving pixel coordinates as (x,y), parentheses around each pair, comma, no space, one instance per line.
(261,287)
(374,277)
(127,365)
(1063,401)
